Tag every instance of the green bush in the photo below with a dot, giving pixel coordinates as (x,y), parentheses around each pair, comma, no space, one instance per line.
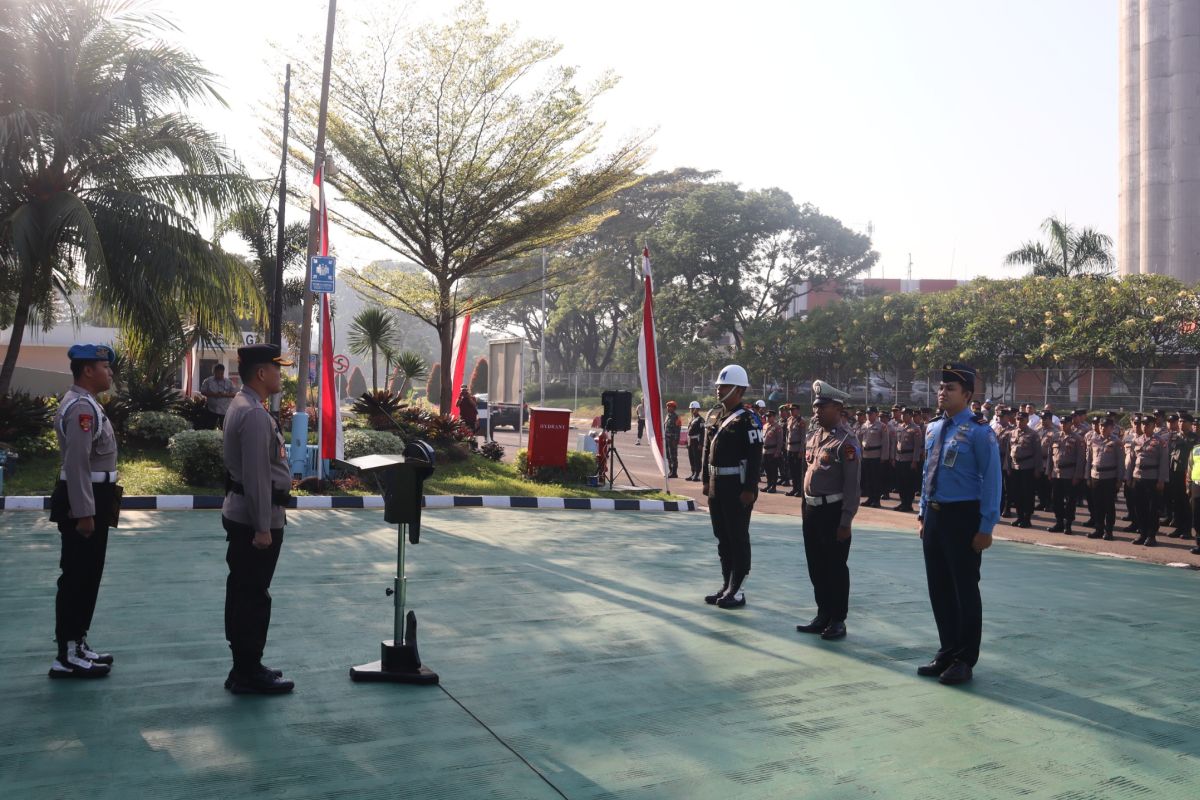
(23,416)
(364,442)
(156,427)
(199,456)
(194,409)
(580,466)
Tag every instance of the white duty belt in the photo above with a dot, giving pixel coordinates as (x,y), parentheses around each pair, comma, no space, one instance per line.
(724,470)
(824,500)
(97,477)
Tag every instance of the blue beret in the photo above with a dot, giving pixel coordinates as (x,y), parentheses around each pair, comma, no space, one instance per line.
(91,352)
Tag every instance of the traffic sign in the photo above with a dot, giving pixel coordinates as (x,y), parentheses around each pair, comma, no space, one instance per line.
(340,364)
(322,274)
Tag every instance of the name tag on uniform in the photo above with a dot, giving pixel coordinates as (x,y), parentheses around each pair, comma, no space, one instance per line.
(951,456)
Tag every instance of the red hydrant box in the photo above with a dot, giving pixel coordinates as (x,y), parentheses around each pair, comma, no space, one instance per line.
(548,432)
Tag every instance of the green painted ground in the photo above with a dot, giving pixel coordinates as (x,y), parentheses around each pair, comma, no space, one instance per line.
(582,641)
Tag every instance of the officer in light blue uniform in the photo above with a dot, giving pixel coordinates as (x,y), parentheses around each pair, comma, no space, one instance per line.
(960,505)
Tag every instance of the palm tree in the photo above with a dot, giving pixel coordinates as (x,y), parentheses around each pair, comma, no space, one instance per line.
(100,174)
(410,365)
(372,329)
(1069,252)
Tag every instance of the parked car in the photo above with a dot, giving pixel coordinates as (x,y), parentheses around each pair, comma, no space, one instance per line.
(874,390)
(1165,390)
(501,414)
(922,393)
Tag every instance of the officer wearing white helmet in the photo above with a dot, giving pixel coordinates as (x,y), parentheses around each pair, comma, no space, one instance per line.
(733,446)
(695,445)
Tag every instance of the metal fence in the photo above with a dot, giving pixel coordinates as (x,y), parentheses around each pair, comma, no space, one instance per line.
(1136,389)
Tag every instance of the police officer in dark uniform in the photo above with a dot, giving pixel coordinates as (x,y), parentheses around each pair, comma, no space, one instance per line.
(695,432)
(831,500)
(960,505)
(85,504)
(733,446)
(258,483)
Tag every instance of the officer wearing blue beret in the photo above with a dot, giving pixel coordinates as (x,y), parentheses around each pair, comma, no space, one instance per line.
(85,504)
(960,504)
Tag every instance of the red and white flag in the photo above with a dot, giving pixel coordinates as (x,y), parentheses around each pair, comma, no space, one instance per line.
(648,366)
(329,421)
(462,337)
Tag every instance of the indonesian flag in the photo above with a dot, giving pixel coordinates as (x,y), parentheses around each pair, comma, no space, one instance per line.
(459,361)
(329,424)
(648,366)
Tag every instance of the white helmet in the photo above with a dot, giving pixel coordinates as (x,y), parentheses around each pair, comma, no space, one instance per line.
(760,403)
(694,404)
(733,375)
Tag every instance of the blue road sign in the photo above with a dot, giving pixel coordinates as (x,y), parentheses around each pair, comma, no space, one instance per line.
(322,274)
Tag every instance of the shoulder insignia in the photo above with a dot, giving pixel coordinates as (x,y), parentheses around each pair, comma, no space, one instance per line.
(85,422)
(849,452)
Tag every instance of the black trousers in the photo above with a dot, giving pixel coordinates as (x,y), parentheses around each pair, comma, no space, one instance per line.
(672,446)
(887,477)
(1103,492)
(82,564)
(1182,503)
(731,525)
(247,592)
(796,468)
(952,571)
(827,560)
(695,454)
(1147,500)
(1195,507)
(1062,491)
(1042,490)
(771,465)
(907,479)
(872,472)
(641,428)
(1130,503)
(1020,483)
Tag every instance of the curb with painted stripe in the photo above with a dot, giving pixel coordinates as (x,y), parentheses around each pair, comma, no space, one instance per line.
(188,502)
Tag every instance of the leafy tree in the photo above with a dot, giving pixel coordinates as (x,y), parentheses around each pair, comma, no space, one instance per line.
(479,376)
(254,224)
(371,330)
(1068,251)
(99,173)
(450,158)
(435,390)
(411,367)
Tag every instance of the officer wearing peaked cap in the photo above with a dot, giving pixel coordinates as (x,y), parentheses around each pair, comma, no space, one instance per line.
(960,505)
(695,432)
(85,504)
(733,447)
(258,482)
(831,498)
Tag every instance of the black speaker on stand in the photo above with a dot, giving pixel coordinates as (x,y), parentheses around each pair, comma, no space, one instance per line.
(617,417)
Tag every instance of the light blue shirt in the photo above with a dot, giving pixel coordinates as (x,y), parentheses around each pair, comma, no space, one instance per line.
(971,473)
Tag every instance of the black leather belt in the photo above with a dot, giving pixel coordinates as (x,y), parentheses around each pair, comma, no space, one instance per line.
(279,497)
(938,505)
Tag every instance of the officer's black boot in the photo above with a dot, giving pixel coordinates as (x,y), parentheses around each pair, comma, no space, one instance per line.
(1067,529)
(91,655)
(712,599)
(1108,535)
(71,663)
(733,597)
(1057,527)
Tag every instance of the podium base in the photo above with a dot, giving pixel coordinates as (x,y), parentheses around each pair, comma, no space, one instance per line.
(398,664)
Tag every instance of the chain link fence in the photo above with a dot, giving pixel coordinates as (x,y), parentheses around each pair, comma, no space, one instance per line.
(1134,389)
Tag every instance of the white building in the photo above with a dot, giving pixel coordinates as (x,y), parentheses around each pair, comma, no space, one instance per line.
(1159,125)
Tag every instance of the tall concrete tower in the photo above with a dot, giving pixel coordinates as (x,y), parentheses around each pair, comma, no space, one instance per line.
(1159,118)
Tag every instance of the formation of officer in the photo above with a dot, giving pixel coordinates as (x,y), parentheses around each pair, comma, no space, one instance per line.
(1066,460)
(1021,450)
(695,434)
(1105,471)
(909,446)
(85,503)
(796,432)
(831,499)
(960,505)
(1147,464)
(258,483)
(875,436)
(733,446)
(1180,516)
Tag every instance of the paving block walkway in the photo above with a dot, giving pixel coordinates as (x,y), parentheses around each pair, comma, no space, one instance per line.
(589,667)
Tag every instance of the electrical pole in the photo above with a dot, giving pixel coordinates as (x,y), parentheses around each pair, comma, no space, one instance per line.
(276,332)
(314,226)
(277,292)
(542,359)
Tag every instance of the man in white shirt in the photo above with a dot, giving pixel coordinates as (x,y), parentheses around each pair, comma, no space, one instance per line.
(217,391)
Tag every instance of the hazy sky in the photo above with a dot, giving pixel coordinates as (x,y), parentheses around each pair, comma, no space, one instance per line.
(954,126)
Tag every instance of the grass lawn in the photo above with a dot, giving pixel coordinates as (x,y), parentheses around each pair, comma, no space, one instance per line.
(147,471)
